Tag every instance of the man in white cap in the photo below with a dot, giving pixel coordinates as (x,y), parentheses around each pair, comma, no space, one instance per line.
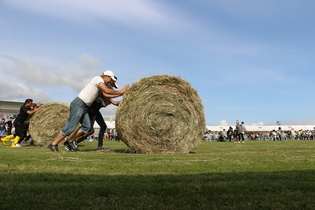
(79,107)
(103,100)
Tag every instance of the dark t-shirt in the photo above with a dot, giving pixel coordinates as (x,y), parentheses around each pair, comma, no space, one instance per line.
(9,123)
(2,126)
(22,116)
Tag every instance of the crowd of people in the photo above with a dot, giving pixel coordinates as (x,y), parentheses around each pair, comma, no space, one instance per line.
(274,135)
(109,135)
(6,127)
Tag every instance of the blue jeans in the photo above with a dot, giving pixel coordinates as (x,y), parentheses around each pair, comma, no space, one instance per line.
(2,132)
(78,114)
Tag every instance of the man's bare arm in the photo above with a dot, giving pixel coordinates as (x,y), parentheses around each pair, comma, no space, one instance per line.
(107,90)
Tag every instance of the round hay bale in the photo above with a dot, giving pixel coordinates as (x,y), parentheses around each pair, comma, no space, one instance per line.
(46,123)
(161,115)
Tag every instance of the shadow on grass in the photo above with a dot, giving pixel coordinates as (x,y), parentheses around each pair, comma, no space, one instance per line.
(268,190)
(116,150)
(132,152)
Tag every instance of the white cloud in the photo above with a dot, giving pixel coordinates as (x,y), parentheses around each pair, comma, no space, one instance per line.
(109,111)
(90,62)
(44,81)
(135,12)
(223,123)
(63,74)
(15,91)
(258,124)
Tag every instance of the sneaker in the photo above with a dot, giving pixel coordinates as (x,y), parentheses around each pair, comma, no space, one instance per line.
(53,148)
(75,146)
(16,145)
(72,147)
(243,142)
(75,143)
(66,144)
(104,149)
(67,147)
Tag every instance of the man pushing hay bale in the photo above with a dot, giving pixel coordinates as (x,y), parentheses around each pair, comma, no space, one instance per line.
(161,115)
(47,122)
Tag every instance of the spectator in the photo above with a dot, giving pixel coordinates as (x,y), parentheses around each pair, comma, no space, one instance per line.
(240,131)
(303,135)
(9,126)
(293,134)
(224,135)
(108,133)
(274,135)
(235,136)
(279,131)
(112,134)
(230,133)
(221,138)
(2,127)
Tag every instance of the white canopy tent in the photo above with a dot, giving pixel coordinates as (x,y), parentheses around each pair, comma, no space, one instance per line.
(263,127)
(110,124)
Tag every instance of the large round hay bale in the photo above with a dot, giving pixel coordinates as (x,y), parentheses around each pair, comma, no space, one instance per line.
(46,123)
(161,115)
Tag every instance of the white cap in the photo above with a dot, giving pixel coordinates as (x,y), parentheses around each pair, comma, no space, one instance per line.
(111,74)
(116,83)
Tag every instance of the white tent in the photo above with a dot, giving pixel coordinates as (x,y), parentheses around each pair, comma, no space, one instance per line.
(264,127)
(110,124)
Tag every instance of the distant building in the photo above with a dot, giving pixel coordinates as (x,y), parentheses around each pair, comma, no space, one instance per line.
(261,128)
(9,109)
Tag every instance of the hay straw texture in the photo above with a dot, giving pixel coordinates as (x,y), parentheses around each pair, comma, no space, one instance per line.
(46,123)
(161,115)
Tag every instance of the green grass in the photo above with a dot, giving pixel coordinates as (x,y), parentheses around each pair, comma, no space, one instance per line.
(217,175)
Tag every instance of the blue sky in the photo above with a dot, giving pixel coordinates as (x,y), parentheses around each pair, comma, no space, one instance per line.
(249,60)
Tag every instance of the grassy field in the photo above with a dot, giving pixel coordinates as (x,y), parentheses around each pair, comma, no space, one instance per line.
(217,175)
